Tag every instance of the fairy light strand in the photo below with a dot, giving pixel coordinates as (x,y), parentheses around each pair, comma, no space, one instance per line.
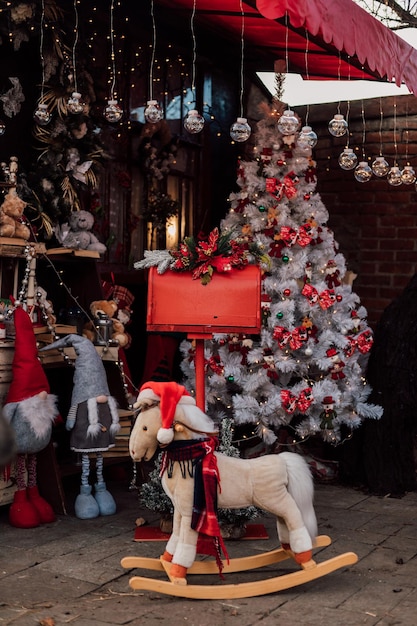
(381,120)
(113,84)
(395,133)
(242,56)
(41,48)
(194,51)
(153,51)
(363,130)
(306,68)
(75,46)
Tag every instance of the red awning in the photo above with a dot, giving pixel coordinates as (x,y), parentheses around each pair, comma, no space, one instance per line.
(320,39)
(349,28)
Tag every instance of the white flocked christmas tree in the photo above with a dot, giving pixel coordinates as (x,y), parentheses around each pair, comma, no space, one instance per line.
(305,371)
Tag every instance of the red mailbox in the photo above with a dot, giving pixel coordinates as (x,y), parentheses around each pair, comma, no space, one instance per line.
(230,302)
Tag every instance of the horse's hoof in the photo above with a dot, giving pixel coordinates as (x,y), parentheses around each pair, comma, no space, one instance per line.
(178,574)
(303,557)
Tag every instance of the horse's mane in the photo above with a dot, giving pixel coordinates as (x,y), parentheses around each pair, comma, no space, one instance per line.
(195,418)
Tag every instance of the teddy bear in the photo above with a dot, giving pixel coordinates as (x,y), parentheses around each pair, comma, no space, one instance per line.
(11,216)
(80,235)
(106,309)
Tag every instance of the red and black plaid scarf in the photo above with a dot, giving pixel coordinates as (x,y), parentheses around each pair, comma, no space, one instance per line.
(197,459)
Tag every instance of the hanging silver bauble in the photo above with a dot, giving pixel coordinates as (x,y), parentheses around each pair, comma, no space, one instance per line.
(338,126)
(42,116)
(380,167)
(74,104)
(307,137)
(2,127)
(113,112)
(240,130)
(394,176)
(348,159)
(363,172)
(288,123)
(153,112)
(193,122)
(408,175)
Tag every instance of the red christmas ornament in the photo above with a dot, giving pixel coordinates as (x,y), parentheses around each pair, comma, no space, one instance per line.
(287,292)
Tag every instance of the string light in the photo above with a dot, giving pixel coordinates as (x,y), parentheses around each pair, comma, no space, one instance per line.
(394,174)
(153,112)
(112,112)
(363,172)
(408,175)
(42,116)
(193,121)
(240,130)
(338,125)
(348,159)
(74,104)
(380,166)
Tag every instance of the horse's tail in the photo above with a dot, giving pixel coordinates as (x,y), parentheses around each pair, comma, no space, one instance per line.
(301,488)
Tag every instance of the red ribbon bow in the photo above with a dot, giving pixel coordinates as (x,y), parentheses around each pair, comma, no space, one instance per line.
(293,339)
(285,187)
(292,403)
(291,236)
(325,299)
(363,343)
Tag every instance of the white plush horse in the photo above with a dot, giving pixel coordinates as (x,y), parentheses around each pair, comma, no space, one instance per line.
(280,484)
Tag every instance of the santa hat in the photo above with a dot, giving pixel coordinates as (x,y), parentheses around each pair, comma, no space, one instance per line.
(331,352)
(29,378)
(90,378)
(169,395)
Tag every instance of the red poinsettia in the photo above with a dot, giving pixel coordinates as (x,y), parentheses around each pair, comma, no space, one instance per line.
(218,251)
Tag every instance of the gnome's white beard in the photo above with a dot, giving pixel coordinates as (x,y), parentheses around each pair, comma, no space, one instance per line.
(94,425)
(39,412)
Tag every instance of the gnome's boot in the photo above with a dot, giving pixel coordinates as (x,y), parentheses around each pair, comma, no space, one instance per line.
(86,506)
(22,513)
(44,509)
(104,499)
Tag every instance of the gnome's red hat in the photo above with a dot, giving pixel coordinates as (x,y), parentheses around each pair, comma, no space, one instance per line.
(169,395)
(29,378)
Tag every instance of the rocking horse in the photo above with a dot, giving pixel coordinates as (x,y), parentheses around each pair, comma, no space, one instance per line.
(197,479)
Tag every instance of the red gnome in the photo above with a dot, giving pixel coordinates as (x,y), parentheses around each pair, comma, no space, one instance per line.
(31,411)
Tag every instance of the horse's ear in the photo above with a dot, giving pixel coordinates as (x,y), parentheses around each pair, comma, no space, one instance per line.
(179,428)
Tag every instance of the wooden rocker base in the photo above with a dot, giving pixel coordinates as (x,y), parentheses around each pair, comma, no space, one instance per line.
(310,571)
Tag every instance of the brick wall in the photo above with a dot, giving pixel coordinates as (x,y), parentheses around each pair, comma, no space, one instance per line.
(374,223)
